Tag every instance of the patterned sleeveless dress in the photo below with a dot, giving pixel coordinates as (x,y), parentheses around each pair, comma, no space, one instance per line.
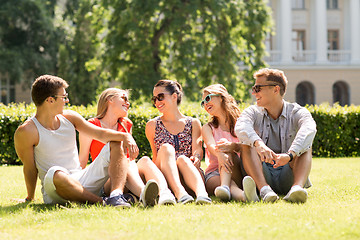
(182,142)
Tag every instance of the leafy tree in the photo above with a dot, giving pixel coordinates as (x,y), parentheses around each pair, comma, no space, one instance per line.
(28,39)
(80,51)
(198,42)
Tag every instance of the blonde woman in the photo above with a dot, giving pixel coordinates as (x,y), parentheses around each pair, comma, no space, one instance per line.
(224,174)
(175,141)
(112,111)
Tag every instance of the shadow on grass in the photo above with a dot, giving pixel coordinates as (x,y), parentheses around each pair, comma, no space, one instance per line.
(40,207)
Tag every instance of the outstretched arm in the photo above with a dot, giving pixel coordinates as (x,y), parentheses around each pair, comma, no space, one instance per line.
(102,134)
(25,138)
(85,143)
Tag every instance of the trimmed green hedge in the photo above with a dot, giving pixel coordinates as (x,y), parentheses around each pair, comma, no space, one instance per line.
(338,127)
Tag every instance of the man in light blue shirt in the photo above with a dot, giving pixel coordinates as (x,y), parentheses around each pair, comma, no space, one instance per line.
(277,137)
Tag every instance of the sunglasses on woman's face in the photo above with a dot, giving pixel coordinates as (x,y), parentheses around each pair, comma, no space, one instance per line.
(159,97)
(125,98)
(208,99)
(257,88)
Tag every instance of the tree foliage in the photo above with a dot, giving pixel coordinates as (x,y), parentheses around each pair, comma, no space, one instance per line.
(135,42)
(198,42)
(28,39)
(79,53)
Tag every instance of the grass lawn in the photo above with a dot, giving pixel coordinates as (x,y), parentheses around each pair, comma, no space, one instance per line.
(331,212)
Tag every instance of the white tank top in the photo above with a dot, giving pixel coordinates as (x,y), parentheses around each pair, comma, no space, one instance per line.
(56,147)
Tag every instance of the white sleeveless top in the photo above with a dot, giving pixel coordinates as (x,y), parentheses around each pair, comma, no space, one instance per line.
(56,147)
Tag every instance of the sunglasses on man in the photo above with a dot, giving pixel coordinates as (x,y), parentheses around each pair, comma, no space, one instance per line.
(64,97)
(257,88)
(208,99)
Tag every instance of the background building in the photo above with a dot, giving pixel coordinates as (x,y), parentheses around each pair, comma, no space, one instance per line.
(317,44)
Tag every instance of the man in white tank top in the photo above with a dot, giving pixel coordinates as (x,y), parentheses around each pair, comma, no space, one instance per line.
(46,145)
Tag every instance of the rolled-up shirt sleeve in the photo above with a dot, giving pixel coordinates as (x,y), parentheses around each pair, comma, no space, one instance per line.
(244,127)
(306,132)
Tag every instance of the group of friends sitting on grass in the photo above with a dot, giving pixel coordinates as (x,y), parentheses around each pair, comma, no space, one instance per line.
(257,154)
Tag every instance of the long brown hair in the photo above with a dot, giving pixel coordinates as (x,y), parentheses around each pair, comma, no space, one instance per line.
(229,105)
(104,98)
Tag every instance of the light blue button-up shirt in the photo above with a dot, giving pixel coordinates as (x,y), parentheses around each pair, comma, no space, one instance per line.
(297,127)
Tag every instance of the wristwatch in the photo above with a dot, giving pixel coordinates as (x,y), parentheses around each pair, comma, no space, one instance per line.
(290,155)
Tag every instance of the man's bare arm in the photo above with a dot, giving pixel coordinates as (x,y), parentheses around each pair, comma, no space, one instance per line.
(25,138)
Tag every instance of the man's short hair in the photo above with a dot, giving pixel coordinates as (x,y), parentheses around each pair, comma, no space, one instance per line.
(275,76)
(46,86)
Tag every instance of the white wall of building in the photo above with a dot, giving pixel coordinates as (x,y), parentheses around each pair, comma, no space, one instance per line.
(316,63)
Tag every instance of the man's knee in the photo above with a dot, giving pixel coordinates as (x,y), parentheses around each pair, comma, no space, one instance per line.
(60,178)
(248,153)
(306,157)
(245,149)
(116,148)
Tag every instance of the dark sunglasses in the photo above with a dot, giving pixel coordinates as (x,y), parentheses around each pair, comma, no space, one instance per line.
(159,97)
(64,97)
(208,99)
(257,88)
(125,98)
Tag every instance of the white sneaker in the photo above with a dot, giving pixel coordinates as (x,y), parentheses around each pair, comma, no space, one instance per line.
(268,195)
(166,198)
(149,193)
(223,192)
(250,189)
(297,194)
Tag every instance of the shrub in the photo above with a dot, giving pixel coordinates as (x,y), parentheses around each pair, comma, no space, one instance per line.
(338,130)
(338,127)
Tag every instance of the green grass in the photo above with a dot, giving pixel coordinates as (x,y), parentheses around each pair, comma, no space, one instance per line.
(331,212)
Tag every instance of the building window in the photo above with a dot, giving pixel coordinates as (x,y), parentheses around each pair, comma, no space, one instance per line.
(7,91)
(305,93)
(298,4)
(332,4)
(341,93)
(333,39)
(298,40)
(298,45)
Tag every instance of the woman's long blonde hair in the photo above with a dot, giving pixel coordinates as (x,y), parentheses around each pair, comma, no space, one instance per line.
(229,105)
(104,98)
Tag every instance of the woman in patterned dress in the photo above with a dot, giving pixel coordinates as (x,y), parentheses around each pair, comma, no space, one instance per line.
(175,141)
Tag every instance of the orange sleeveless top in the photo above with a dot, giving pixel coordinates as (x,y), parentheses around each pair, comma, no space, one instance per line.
(96,146)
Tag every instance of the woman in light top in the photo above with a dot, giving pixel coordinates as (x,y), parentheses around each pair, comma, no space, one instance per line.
(175,141)
(112,111)
(224,174)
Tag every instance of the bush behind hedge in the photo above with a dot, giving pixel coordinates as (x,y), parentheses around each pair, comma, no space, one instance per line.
(338,127)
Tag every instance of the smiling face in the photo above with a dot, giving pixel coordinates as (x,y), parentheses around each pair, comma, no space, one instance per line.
(163,99)
(212,103)
(120,104)
(265,97)
(59,100)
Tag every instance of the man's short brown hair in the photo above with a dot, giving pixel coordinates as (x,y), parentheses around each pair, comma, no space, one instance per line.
(274,75)
(46,86)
